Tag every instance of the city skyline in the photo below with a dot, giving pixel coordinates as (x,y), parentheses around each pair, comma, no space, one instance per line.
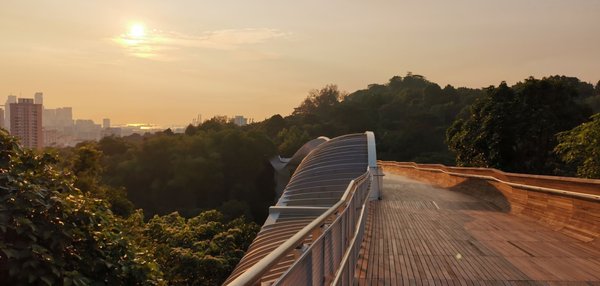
(38,126)
(198,119)
(155,62)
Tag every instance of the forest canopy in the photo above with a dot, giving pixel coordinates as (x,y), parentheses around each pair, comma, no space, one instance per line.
(52,233)
(516,128)
(218,165)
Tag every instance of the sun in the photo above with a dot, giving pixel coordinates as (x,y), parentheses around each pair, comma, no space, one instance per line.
(137,31)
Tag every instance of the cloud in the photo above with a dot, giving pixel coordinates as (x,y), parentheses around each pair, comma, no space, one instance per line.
(157,43)
(229,39)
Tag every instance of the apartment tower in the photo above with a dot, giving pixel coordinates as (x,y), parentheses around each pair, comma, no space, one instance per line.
(38,98)
(26,123)
(9,100)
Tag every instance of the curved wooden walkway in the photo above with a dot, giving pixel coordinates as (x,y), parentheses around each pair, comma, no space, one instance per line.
(423,235)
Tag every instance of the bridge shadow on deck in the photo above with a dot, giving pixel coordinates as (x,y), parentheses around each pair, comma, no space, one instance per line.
(424,235)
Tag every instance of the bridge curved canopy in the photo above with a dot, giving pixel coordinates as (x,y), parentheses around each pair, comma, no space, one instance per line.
(317,184)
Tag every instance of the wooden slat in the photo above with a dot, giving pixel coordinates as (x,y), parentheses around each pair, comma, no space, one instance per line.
(424,235)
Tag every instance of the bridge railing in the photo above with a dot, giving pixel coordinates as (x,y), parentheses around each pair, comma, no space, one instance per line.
(566,186)
(332,256)
(345,275)
(331,252)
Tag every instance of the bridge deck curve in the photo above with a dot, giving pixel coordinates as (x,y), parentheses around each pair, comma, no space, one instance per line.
(424,235)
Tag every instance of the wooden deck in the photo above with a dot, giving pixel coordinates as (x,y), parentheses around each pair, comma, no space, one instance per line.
(422,235)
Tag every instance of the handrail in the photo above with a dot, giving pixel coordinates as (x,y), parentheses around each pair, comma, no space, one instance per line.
(492,178)
(254,273)
(327,232)
(355,238)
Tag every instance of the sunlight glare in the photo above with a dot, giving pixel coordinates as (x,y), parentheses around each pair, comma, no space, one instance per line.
(137,31)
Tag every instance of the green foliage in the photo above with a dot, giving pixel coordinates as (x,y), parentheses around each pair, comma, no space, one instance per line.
(50,233)
(408,114)
(274,125)
(513,128)
(485,138)
(291,140)
(320,101)
(86,166)
(198,251)
(580,147)
(86,163)
(214,163)
(593,101)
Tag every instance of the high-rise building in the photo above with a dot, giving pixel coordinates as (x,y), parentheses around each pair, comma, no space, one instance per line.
(1,118)
(64,116)
(197,120)
(26,122)
(87,130)
(49,118)
(39,98)
(58,127)
(106,123)
(59,118)
(9,100)
(239,120)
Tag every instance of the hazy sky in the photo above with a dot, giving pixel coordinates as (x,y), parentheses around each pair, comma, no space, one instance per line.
(166,61)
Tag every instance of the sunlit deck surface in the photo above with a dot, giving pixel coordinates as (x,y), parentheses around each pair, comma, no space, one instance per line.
(423,235)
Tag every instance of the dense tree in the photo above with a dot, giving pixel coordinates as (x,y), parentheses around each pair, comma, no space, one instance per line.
(580,147)
(87,168)
(594,101)
(190,173)
(86,164)
(216,123)
(514,128)
(112,146)
(408,114)
(51,233)
(291,140)
(274,125)
(486,138)
(190,130)
(319,102)
(202,250)
(220,165)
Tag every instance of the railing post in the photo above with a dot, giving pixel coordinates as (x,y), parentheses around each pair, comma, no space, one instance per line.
(376,182)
